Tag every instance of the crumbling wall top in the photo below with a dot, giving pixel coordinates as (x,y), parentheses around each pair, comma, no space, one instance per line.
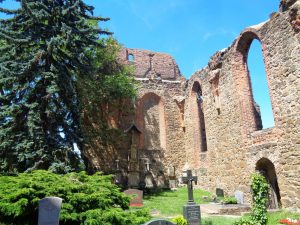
(149,64)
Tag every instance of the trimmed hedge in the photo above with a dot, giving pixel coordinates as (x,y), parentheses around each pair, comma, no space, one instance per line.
(87,199)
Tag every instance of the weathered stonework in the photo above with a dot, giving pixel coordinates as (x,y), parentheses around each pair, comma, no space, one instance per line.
(211,123)
(235,143)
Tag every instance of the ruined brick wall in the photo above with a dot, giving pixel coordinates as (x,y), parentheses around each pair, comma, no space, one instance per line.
(158,115)
(235,143)
(150,64)
(171,148)
(211,123)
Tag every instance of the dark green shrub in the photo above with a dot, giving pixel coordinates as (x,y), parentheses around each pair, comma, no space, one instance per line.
(89,200)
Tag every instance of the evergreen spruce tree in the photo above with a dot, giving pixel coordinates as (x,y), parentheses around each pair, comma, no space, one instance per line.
(44,46)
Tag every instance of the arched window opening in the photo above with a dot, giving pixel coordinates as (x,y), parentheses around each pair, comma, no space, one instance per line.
(262,102)
(198,116)
(130,57)
(267,169)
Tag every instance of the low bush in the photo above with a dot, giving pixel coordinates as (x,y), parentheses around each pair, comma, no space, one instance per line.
(180,220)
(229,200)
(88,200)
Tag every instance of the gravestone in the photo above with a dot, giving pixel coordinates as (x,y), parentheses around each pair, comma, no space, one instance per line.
(239,195)
(191,211)
(49,209)
(159,222)
(219,192)
(149,181)
(137,197)
(161,181)
(172,184)
(133,179)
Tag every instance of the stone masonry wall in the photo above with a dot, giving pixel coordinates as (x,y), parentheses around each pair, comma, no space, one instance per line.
(235,144)
(211,123)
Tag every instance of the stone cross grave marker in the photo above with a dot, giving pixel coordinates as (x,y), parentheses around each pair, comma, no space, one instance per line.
(49,209)
(191,211)
(159,222)
(137,197)
(189,181)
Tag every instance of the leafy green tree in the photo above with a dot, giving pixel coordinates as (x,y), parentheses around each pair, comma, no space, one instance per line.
(49,45)
(111,86)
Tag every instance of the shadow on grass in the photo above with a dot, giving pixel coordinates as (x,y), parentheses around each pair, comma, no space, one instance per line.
(152,193)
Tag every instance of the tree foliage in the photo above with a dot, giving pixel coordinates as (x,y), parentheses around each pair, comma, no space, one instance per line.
(48,46)
(86,199)
(106,99)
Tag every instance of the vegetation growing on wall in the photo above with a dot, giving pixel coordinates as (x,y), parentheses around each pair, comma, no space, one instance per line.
(260,188)
(106,95)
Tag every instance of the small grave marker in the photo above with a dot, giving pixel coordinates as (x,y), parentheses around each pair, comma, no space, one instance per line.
(137,197)
(239,195)
(49,209)
(219,192)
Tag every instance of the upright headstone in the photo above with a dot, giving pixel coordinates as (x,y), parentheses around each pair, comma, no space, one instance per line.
(133,179)
(172,184)
(219,192)
(239,195)
(159,222)
(133,157)
(172,177)
(137,197)
(161,181)
(49,209)
(191,211)
(149,181)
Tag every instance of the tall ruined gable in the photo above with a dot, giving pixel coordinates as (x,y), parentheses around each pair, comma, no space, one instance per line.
(152,65)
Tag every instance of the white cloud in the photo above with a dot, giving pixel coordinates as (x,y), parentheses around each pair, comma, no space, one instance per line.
(219,32)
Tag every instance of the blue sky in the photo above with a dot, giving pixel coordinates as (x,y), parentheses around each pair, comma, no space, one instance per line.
(189,30)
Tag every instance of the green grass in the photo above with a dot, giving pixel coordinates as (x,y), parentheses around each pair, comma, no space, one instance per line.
(218,220)
(274,217)
(170,203)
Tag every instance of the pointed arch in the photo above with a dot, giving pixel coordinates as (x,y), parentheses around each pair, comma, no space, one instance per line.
(267,169)
(198,117)
(152,120)
(251,111)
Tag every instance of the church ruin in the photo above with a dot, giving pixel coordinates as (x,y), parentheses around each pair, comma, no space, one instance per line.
(210,123)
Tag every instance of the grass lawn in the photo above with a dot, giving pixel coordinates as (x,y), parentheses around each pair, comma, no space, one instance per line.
(218,220)
(273,218)
(170,203)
